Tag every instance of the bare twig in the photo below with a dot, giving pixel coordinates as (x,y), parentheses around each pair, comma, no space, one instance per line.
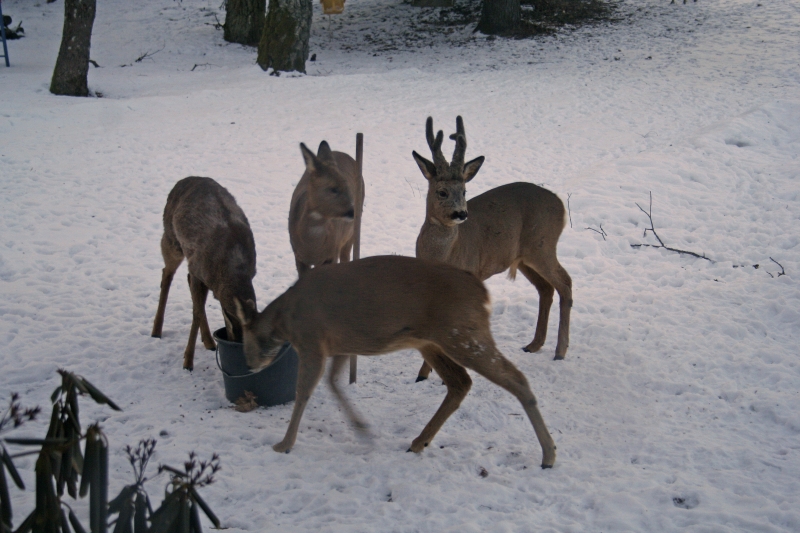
(217,25)
(146,55)
(203,65)
(93,62)
(660,242)
(569,211)
(781,273)
(412,187)
(142,57)
(601,231)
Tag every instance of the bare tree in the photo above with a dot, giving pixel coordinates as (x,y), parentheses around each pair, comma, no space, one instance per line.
(72,65)
(499,16)
(284,41)
(244,21)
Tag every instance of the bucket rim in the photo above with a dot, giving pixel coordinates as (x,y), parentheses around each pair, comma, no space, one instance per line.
(281,354)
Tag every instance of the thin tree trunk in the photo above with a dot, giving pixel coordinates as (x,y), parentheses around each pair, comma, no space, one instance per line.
(244,21)
(284,42)
(72,65)
(499,16)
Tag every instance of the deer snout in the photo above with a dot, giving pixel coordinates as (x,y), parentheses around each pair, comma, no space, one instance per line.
(350,215)
(459,216)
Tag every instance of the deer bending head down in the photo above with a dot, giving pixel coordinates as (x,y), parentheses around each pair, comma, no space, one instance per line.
(512,227)
(379,305)
(325,211)
(203,223)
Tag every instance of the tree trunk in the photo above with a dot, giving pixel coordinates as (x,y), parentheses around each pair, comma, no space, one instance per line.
(499,16)
(244,21)
(72,65)
(554,6)
(284,41)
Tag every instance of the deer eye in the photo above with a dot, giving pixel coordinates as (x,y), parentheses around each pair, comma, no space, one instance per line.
(334,190)
(441,194)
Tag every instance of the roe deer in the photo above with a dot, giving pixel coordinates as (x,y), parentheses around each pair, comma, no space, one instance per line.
(203,223)
(325,212)
(383,304)
(514,226)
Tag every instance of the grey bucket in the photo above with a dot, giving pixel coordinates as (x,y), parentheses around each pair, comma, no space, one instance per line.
(272,385)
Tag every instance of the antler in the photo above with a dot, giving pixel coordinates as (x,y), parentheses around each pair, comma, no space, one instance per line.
(460,136)
(435,145)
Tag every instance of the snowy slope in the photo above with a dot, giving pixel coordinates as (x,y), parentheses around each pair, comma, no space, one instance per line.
(678,405)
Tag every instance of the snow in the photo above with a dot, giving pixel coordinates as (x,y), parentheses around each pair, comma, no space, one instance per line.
(678,405)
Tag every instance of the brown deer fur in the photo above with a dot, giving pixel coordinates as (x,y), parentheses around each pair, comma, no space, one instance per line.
(514,226)
(325,211)
(203,223)
(379,305)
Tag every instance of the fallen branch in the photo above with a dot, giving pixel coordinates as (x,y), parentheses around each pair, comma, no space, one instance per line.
(200,65)
(217,25)
(601,231)
(781,273)
(143,57)
(660,242)
(146,55)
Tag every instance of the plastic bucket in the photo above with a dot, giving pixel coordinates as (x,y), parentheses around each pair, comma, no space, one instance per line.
(272,385)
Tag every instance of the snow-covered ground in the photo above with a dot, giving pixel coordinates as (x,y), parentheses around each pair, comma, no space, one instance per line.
(678,405)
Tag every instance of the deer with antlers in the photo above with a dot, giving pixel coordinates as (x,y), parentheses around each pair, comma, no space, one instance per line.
(511,227)
(379,305)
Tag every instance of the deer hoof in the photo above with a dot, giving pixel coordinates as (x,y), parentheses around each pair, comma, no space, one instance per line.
(558,358)
(417,446)
(546,466)
(282,448)
(533,347)
(421,378)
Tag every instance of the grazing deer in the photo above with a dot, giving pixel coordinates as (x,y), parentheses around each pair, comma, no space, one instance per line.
(325,212)
(514,226)
(379,305)
(203,223)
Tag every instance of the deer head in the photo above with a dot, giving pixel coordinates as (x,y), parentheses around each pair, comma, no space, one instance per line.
(261,345)
(447,203)
(328,194)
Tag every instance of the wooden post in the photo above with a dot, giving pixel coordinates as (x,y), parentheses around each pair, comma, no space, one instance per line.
(357,229)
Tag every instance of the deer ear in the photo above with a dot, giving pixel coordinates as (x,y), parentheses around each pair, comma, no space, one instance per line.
(428,169)
(324,152)
(471,168)
(309,157)
(245,312)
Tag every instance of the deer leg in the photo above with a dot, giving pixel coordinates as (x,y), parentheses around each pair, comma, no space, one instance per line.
(458,384)
(424,372)
(344,253)
(565,307)
(337,364)
(205,331)
(311,368)
(233,327)
(492,365)
(546,292)
(552,272)
(199,293)
(172,260)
